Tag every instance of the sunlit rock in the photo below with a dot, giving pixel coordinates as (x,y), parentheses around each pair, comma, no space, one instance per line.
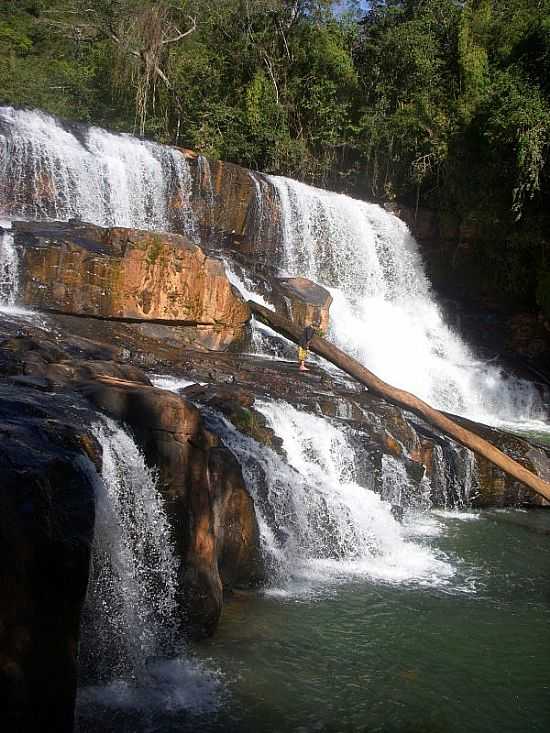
(131,275)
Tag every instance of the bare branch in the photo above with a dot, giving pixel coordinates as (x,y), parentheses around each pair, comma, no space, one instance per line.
(180,34)
(269,67)
(160,73)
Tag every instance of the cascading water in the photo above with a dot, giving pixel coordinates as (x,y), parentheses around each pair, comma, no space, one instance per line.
(54,172)
(9,267)
(363,254)
(131,649)
(317,523)
(383,312)
(261,208)
(399,490)
(205,178)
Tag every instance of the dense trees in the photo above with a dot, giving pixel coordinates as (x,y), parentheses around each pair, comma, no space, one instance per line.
(438,103)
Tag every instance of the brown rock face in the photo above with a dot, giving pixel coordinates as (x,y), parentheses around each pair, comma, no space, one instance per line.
(130,275)
(215,527)
(236,208)
(496,488)
(306,301)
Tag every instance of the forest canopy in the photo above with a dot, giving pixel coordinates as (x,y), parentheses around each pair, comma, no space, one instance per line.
(435,103)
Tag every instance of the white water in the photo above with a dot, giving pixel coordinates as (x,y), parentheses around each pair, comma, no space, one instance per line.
(400,490)
(318,525)
(131,638)
(9,267)
(9,280)
(170,383)
(363,254)
(51,172)
(383,311)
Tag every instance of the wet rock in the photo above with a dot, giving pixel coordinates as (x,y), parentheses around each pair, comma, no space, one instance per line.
(237,209)
(494,487)
(238,407)
(235,381)
(212,513)
(47,500)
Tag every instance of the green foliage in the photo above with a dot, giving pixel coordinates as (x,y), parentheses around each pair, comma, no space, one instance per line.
(440,103)
(473,59)
(518,126)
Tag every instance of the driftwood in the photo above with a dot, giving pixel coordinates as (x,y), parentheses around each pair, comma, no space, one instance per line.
(406,400)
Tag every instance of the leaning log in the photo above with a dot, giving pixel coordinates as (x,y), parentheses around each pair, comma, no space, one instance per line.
(406,400)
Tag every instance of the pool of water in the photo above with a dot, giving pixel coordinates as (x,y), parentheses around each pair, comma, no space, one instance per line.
(469,654)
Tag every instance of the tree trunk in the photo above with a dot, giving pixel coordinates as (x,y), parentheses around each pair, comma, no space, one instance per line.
(406,400)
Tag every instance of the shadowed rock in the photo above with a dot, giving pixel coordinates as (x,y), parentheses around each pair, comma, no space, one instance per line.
(215,528)
(47,509)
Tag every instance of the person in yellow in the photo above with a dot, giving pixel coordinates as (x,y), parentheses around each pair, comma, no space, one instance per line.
(303,344)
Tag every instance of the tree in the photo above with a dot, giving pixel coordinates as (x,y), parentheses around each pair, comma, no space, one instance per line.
(142,40)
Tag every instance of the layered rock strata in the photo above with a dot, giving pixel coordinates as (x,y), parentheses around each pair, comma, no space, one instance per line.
(131,275)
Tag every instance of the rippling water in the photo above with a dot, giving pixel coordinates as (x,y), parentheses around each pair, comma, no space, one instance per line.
(365,656)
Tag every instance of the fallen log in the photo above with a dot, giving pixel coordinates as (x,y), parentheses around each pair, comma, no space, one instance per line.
(404,399)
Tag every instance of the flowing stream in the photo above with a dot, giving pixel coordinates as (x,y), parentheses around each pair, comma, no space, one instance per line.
(319,526)
(383,312)
(52,171)
(438,623)
(366,624)
(132,654)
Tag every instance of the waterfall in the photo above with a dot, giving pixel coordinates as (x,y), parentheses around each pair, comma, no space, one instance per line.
(261,211)
(317,524)
(383,311)
(206,186)
(400,490)
(9,267)
(131,650)
(55,171)
(454,475)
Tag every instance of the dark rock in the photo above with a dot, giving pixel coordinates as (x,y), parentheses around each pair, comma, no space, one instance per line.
(47,504)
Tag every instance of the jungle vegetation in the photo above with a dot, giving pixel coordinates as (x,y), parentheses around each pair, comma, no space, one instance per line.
(433,103)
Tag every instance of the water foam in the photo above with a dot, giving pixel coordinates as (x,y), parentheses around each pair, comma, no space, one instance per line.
(51,171)
(318,525)
(131,646)
(170,383)
(383,311)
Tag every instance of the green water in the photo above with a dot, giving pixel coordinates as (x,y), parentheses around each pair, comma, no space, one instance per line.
(473,655)
(470,653)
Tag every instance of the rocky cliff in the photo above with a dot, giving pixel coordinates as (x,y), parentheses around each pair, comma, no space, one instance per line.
(109,307)
(130,275)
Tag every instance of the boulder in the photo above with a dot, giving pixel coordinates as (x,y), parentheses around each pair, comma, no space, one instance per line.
(306,302)
(130,275)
